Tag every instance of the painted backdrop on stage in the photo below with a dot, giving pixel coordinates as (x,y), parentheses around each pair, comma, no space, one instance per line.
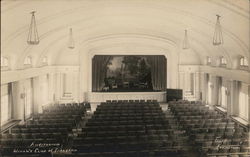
(131,73)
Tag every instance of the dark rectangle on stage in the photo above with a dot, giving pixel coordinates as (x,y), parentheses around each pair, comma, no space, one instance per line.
(174,94)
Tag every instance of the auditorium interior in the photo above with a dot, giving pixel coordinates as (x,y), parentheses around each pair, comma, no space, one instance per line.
(120,78)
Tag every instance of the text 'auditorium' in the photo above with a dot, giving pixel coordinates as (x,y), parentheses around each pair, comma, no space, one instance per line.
(120,78)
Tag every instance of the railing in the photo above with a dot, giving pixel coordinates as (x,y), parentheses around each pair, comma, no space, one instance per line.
(9,125)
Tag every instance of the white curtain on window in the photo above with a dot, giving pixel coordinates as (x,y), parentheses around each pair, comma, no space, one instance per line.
(223,97)
(28,98)
(4,104)
(44,87)
(192,83)
(209,89)
(223,92)
(209,92)
(218,90)
(243,101)
(68,83)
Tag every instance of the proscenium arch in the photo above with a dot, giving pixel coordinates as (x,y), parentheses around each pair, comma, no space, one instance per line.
(129,44)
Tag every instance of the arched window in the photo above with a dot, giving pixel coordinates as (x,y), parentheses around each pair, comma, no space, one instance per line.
(223,61)
(45,60)
(27,60)
(209,61)
(243,61)
(4,63)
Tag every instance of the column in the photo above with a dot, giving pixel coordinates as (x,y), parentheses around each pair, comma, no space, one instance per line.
(37,95)
(83,75)
(181,80)
(235,98)
(203,86)
(248,104)
(52,86)
(75,86)
(197,86)
(229,97)
(18,100)
(216,91)
(58,87)
(213,87)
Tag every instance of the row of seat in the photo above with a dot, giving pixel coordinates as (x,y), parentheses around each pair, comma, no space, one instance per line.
(130,137)
(129,106)
(212,133)
(53,126)
(42,129)
(128,122)
(122,118)
(124,127)
(139,133)
(64,116)
(130,101)
(135,115)
(143,153)
(93,146)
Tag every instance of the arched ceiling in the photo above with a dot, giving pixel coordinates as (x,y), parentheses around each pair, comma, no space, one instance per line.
(162,19)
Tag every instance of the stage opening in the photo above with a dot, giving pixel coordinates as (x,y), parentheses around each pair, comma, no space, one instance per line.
(128,73)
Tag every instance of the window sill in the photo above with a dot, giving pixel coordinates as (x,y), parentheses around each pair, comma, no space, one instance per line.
(221,109)
(43,65)
(244,123)
(26,66)
(244,68)
(223,65)
(66,98)
(28,117)
(5,68)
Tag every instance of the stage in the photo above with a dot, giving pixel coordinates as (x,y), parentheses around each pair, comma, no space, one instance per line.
(96,97)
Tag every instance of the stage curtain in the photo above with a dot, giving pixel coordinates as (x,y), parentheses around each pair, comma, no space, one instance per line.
(99,70)
(158,71)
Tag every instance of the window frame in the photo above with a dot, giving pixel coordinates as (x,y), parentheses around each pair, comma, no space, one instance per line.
(243,62)
(45,60)
(223,61)
(5,62)
(5,109)
(243,102)
(209,60)
(27,62)
(7,96)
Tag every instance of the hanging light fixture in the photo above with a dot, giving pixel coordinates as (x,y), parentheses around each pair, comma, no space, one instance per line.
(71,40)
(33,38)
(185,41)
(217,39)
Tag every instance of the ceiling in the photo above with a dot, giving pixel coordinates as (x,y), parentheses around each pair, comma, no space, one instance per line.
(93,20)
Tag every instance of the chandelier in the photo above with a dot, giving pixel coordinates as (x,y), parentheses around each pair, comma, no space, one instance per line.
(71,40)
(217,39)
(185,41)
(33,38)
